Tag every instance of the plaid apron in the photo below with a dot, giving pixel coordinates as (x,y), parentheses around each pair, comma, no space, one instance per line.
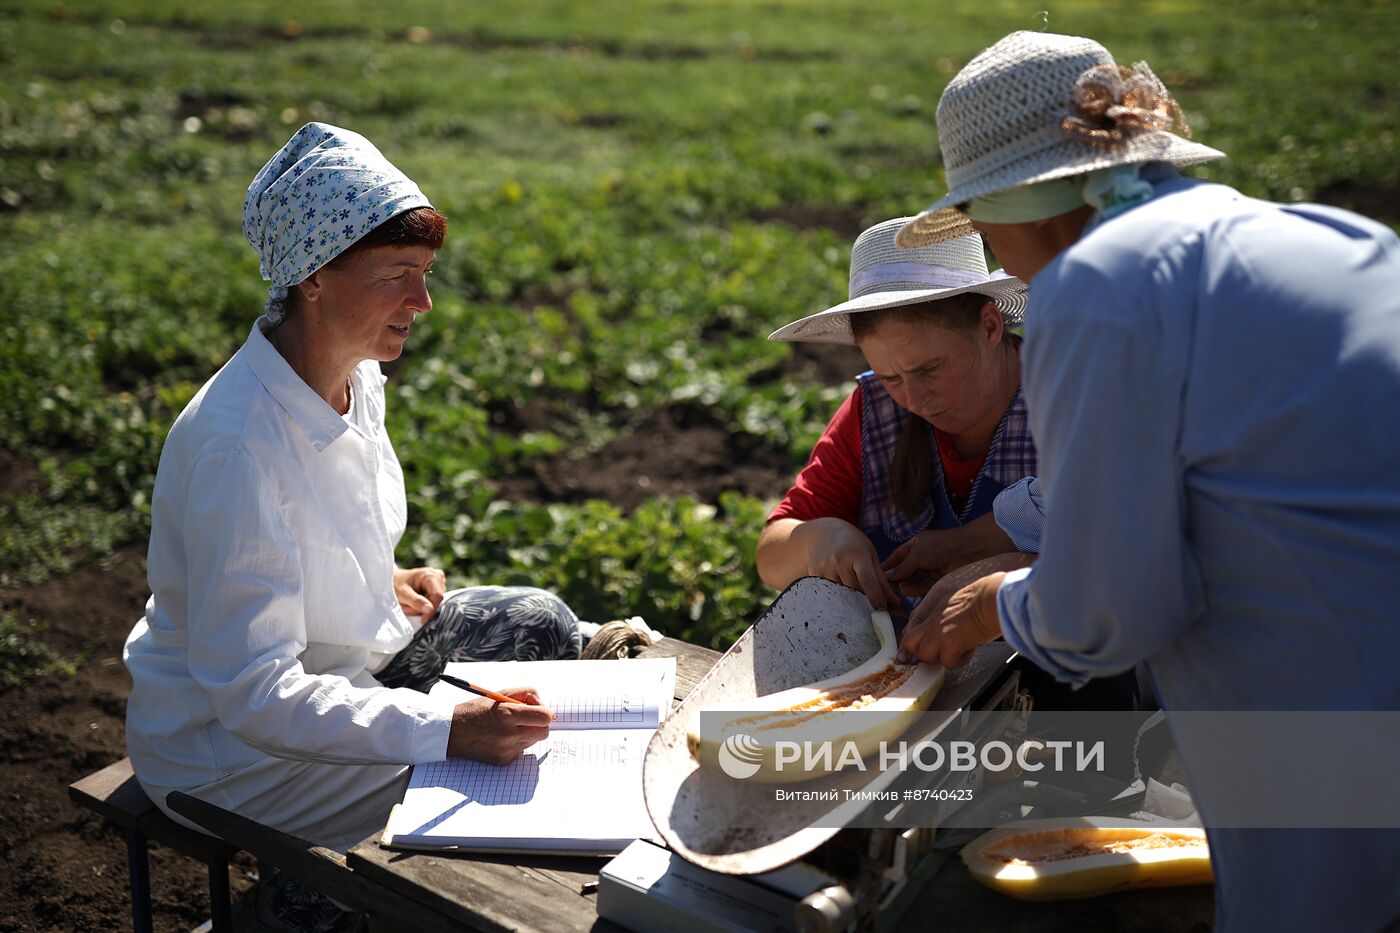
(1011,457)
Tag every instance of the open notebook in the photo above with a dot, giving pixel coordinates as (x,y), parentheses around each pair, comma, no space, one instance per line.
(578,791)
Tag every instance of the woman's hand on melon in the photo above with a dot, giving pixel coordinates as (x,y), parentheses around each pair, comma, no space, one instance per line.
(921,561)
(959,614)
(841,552)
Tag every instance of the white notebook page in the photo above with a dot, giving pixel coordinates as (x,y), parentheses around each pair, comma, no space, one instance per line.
(579,790)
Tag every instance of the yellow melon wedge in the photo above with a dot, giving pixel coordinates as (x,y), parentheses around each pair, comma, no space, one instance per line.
(1050,860)
(886,695)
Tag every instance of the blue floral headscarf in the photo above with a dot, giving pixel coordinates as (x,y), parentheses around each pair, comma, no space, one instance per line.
(325,189)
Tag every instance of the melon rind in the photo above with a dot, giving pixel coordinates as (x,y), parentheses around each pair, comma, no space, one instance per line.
(1085,875)
(882,720)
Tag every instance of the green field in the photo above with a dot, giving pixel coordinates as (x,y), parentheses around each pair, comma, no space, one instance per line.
(638,191)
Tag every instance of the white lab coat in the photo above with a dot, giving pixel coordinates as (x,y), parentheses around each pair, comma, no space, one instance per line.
(273,526)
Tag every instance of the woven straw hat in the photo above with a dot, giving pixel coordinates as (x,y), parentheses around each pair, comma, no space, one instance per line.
(1000,126)
(885,276)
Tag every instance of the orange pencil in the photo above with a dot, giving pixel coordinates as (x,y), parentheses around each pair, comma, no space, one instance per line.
(480,691)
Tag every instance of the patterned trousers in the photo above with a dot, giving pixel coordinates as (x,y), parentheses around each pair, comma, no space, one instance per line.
(486,623)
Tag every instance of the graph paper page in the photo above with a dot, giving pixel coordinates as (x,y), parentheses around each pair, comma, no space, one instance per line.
(572,792)
(633,693)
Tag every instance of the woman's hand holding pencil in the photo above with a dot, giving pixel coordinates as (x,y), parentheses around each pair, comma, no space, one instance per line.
(497,726)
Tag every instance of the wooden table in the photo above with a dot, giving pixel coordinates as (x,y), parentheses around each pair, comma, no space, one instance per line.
(545,894)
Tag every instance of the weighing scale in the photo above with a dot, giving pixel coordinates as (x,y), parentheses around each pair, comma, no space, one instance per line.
(803,866)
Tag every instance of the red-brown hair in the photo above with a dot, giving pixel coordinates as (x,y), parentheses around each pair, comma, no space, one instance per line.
(422,226)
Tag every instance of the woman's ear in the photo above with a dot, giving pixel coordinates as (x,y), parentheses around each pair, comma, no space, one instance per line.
(991,326)
(310,287)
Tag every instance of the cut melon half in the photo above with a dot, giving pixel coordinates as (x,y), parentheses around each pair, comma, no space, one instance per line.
(1049,860)
(886,694)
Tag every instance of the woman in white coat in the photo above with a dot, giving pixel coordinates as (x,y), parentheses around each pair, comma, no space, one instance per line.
(281,667)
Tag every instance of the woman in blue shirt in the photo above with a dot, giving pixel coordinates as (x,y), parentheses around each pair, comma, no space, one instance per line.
(1211,382)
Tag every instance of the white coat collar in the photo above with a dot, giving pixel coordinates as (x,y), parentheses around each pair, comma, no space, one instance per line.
(318,421)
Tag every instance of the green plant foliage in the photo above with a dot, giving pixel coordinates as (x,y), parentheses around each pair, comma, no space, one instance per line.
(684,566)
(639,193)
(23,656)
(39,539)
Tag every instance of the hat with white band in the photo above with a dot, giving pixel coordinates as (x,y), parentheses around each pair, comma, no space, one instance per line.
(885,276)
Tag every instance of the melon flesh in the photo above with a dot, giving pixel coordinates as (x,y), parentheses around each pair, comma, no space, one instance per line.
(889,695)
(1046,860)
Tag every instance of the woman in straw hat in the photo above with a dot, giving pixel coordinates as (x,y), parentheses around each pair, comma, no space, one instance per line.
(904,479)
(929,464)
(1212,380)
(282,664)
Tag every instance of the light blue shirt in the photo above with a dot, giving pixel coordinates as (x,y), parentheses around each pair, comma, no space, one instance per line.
(1019,510)
(1214,387)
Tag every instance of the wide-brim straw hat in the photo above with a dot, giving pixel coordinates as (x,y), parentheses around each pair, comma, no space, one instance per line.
(885,276)
(1000,125)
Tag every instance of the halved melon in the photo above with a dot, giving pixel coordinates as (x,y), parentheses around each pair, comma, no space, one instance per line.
(1050,860)
(954,580)
(887,694)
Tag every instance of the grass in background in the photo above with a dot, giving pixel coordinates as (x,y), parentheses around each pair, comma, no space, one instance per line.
(639,193)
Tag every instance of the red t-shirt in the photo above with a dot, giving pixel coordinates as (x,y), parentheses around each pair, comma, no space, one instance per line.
(830,484)
(958,475)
